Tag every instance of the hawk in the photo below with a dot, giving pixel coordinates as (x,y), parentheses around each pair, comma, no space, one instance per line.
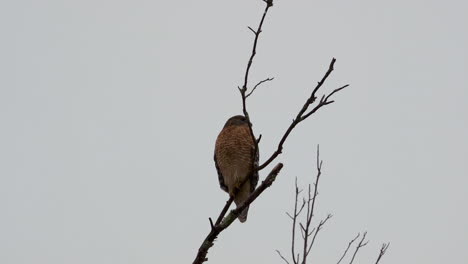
(235,160)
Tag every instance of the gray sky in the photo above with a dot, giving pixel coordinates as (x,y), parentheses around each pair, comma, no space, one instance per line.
(109,111)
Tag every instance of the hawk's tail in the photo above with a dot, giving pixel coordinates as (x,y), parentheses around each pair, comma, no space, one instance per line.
(243,216)
(240,197)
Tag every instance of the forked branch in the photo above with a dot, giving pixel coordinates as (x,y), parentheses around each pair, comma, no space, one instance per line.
(383,250)
(244,88)
(359,246)
(216,229)
(304,113)
(308,233)
(349,245)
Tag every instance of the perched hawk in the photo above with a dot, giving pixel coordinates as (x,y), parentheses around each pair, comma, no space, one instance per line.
(235,159)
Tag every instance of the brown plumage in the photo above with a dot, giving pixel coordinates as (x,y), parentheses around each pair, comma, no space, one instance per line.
(235,159)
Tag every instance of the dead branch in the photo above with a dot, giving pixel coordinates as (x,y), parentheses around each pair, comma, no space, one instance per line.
(349,245)
(310,211)
(281,256)
(223,212)
(243,90)
(216,229)
(383,249)
(359,246)
(317,229)
(294,219)
(309,234)
(303,114)
(258,84)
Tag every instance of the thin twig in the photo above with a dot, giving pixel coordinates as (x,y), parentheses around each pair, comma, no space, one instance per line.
(243,90)
(383,249)
(223,212)
(254,49)
(285,260)
(311,207)
(259,138)
(317,229)
(349,245)
(359,246)
(302,115)
(258,84)
(293,239)
(305,229)
(307,225)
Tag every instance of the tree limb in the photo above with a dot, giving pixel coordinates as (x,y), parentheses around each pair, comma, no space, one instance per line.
(359,246)
(258,84)
(223,212)
(281,256)
(243,90)
(349,245)
(310,210)
(208,242)
(317,229)
(302,115)
(383,249)
(305,228)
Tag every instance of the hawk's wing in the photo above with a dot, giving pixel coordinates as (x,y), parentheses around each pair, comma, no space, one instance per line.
(220,176)
(254,178)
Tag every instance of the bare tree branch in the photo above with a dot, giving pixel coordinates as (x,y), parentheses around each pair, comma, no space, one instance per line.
(258,84)
(359,246)
(302,115)
(229,219)
(308,235)
(317,229)
(285,260)
(223,212)
(383,249)
(293,239)
(310,209)
(251,29)
(243,90)
(296,213)
(349,245)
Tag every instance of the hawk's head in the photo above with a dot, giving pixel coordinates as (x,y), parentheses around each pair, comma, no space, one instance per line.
(238,120)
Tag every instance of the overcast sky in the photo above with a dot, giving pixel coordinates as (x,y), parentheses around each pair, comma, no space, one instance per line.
(109,111)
